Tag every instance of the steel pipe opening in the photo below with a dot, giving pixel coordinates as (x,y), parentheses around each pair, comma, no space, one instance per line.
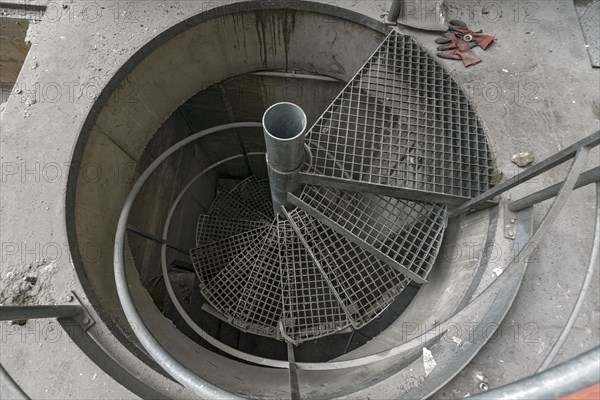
(284,126)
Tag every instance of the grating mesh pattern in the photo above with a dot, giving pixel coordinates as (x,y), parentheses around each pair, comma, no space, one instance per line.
(209,260)
(256,193)
(259,307)
(238,204)
(211,229)
(224,290)
(420,242)
(310,309)
(403,122)
(382,223)
(366,285)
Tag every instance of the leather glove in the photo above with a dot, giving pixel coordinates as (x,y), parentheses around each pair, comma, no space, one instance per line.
(463,32)
(454,48)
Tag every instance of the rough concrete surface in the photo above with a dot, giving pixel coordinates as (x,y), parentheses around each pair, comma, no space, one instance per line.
(534,90)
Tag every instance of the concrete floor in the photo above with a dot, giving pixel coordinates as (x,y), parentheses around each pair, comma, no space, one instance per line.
(535,91)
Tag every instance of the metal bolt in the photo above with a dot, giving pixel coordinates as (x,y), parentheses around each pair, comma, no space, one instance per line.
(512,221)
(69,298)
(18,91)
(511,234)
(85,320)
(483,386)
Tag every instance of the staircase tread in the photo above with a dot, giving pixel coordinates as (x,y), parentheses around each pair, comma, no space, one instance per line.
(381,225)
(211,259)
(310,309)
(249,200)
(366,284)
(212,228)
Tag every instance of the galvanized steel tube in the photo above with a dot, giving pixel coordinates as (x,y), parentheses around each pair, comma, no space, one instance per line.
(284,126)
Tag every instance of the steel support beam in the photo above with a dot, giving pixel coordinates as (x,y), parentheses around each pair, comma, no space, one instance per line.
(384,190)
(14,313)
(549,163)
(586,178)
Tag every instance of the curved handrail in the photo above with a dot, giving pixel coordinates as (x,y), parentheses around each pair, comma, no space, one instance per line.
(177,370)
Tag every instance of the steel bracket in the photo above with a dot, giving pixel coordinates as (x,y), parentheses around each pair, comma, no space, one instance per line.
(510,224)
(84,319)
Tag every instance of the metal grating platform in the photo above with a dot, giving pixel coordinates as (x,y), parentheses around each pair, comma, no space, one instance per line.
(402,123)
(210,259)
(224,290)
(259,307)
(257,194)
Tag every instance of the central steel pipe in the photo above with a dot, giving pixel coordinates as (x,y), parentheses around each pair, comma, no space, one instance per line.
(284,126)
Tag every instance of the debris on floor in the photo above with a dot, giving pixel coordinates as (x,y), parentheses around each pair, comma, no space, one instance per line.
(523,159)
(428,362)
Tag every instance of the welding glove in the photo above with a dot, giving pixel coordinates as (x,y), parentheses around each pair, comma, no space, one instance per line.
(454,48)
(462,31)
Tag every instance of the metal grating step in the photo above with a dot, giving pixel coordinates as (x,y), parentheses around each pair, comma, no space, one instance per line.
(246,201)
(310,308)
(223,292)
(401,127)
(210,259)
(256,193)
(381,225)
(259,307)
(212,229)
(365,284)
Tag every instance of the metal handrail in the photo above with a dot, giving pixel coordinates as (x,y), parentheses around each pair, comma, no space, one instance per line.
(578,373)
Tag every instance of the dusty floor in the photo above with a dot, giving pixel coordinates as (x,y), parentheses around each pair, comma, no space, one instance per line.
(535,91)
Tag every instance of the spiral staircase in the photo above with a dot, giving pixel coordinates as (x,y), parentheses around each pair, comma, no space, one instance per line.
(397,145)
(348,224)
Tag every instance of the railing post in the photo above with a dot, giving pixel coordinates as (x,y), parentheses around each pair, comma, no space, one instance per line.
(394,14)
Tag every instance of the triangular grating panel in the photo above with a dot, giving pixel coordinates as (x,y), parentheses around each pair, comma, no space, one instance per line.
(402,122)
